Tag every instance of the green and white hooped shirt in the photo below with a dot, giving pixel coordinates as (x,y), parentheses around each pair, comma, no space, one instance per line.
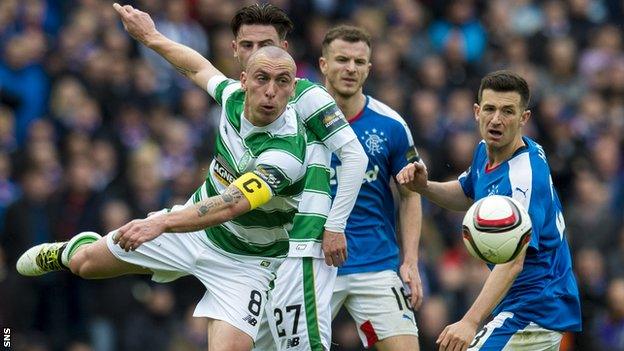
(276,153)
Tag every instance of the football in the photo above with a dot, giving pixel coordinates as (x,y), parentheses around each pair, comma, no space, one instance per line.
(496,228)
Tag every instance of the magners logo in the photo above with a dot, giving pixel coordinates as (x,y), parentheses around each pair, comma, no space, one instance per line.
(222,172)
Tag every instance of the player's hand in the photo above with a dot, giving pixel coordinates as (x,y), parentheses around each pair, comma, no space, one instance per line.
(135,233)
(411,277)
(413,176)
(137,23)
(334,248)
(457,336)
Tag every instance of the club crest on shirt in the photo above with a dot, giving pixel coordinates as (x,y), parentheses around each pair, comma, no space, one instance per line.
(373,140)
(244,160)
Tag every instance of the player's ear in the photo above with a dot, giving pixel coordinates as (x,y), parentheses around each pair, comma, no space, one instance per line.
(243,80)
(476,109)
(284,45)
(323,64)
(524,118)
(368,68)
(234,47)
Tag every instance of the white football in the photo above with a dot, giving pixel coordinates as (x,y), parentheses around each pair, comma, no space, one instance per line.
(496,228)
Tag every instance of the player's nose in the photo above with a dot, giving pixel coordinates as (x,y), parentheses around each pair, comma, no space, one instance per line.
(496,117)
(270,89)
(351,66)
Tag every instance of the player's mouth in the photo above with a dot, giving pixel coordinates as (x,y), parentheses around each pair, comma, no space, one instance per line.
(267,108)
(349,81)
(495,134)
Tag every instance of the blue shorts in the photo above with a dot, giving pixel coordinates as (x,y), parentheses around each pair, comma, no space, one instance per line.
(505,332)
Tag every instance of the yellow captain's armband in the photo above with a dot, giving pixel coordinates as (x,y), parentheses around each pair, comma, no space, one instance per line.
(254,189)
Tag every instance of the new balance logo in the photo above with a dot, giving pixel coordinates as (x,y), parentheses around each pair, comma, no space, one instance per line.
(522,191)
(251,320)
(292,342)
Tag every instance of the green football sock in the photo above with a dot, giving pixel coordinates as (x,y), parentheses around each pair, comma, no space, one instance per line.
(74,246)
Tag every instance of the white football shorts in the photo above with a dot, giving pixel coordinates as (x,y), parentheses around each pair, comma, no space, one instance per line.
(378,303)
(236,285)
(298,311)
(506,332)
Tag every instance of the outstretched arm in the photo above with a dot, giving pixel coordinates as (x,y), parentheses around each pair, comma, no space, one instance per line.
(206,213)
(244,194)
(209,212)
(449,195)
(185,60)
(458,336)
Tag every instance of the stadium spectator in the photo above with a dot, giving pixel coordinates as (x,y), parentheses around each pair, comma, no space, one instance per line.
(609,328)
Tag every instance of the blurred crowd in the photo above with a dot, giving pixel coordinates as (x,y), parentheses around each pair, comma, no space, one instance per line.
(96,130)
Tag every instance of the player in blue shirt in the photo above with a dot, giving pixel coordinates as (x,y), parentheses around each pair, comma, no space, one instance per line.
(533,298)
(368,284)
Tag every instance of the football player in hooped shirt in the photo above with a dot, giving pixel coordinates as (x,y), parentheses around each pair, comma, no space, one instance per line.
(209,237)
(533,298)
(367,284)
(316,242)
